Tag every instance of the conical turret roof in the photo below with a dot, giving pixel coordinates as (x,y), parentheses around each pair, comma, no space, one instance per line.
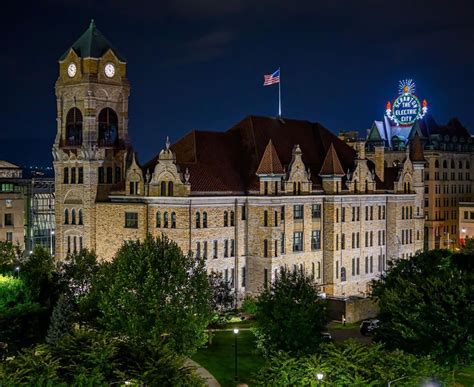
(92,44)
(331,165)
(270,163)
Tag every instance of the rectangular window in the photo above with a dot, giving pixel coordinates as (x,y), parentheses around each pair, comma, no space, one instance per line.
(132,188)
(265,248)
(366,239)
(214,254)
(109,175)
(244,215)
(101,175)
(358,213)
(358,266)
(66,175)
(298,241)
(198,249)
(265,278)
(226,248)
(73,175)
(265,218)
(343,214)
(358,240)
(275,253)
(282,213)
(337,215)
(9,236)
(371,238)
(353,214)
(316,211)
(371,212)
(243,277)
(337,269)
(343,241)
(282,247)
(118,174)
(204,252)
(366,265)
(353,266)
(366,213)
(80,177)
(315,240)
(232,276)
(353,240)
(131,220)
(337,241)
(298,211)
(8,218)
(232,248)
(226,275)
(371,264)
(383,212)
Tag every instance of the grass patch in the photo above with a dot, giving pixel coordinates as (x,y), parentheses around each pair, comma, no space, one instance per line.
(465,376)
(338,325)
(218,358)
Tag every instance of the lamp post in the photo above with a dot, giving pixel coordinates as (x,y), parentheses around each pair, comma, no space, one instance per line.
(17,269)
(319,376)
(51,242)
(236,375)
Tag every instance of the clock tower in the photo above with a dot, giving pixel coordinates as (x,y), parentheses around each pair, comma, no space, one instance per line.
(91,141)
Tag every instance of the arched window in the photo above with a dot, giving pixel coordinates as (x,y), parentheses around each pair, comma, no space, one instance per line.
(173,220)
(73,216)
(81,220)
(436,163)
(198,220)
(66,216)
(343,274)
(170,188)
(158,219)
(452,164)
(108,127)
(165,220)
(204,219)
(232,218)
(445,164)
(74,127)
(226,218)
(163,188)
(118,174)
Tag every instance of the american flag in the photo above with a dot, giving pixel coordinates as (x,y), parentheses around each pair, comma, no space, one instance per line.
(272,78)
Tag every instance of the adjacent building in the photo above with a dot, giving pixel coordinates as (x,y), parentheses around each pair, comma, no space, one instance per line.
(449,154)
(267,193)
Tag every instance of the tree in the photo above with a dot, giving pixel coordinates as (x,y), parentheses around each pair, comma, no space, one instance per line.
(9,256)
(151,291)
(61,320)
(350,364)
(290,314)
(40,276)
(222,298)
(427,306)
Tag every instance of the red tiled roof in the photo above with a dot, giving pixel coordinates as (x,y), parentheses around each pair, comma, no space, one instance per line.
(331,165)
(270,163)
(228,161)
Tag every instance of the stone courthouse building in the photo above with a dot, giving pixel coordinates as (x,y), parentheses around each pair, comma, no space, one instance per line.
(265,194)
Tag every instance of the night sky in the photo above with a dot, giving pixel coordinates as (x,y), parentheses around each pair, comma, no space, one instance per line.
(199,64)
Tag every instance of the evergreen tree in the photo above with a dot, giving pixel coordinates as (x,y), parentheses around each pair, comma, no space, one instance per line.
(61,321)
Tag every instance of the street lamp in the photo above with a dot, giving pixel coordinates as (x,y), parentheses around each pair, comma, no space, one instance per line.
(17,269)
(319,376)
(236,375)
(51,242)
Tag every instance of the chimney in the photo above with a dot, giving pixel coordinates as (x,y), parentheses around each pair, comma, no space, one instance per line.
(379,161)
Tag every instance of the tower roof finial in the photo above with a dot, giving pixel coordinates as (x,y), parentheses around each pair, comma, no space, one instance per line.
(92,24)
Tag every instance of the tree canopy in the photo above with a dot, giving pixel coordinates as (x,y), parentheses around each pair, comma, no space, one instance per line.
(427,306)
(152,291)
(350,364)
(290,314)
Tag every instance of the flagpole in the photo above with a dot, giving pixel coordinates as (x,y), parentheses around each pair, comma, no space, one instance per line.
(279,95)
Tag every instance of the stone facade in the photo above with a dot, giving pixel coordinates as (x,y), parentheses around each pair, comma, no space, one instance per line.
(221,197)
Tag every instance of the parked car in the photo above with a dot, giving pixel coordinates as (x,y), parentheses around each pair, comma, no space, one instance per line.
(367,327)
(326,336)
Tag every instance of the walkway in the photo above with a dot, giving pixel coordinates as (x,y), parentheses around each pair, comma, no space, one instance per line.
(203,373)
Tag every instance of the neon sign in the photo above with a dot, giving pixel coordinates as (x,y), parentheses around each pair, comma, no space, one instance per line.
(406,108)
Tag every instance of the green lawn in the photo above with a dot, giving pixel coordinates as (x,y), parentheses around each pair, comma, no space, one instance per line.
(218,358)
(466,376)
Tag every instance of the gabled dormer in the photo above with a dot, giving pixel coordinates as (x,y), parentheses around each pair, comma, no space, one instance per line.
(134,182)
(270,171)
(166,179)
(361,179)
(299,179)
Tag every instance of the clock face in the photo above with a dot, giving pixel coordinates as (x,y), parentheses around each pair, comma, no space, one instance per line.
(71,70)
(109,70)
